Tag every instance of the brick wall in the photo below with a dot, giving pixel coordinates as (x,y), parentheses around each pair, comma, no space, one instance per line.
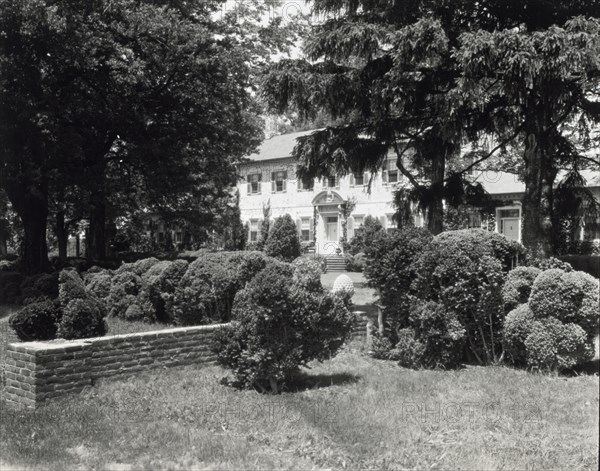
(38,371)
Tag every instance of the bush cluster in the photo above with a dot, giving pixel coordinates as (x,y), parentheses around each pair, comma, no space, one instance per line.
(39,287)
(364,236)
(556,328)
(10,291)
(37,321)
(356,263)
(279,325)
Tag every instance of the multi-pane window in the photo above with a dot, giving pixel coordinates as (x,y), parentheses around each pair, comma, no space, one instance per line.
(279,181)
(358,179)
(358,221)
(307,184)
(305,229)
(254,183)
(253,231)
(591,227)
(475,220)
(390,171)
(330,182)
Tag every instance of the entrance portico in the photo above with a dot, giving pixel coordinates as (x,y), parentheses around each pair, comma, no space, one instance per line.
(328,218)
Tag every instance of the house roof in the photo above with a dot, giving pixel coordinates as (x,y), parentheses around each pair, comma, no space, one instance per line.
(278,147)
(496,183)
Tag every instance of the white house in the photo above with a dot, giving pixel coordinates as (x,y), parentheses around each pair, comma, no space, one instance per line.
(269,177)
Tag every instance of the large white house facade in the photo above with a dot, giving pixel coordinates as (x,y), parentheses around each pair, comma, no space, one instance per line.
(317,207)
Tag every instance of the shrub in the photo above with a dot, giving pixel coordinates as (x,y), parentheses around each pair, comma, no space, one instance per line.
(43,285)
(552,345)
(37,321)
(551,263)
(356,263)
(126,291)
(82,318)
(439,333)
(321,259)
(408,351)
(138,268)
(570,297)
(283,242)
(279,326)
(381,346)
(364,236)
(307,274)
(517,327)
(517,286)
(82,312)
(99,284)
(160,284)
(391,268)
(10,282)
(460,270)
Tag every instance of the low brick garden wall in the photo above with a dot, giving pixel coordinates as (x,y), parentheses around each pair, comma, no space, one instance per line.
(38,371)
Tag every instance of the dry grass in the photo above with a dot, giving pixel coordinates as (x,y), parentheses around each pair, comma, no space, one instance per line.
(348,413)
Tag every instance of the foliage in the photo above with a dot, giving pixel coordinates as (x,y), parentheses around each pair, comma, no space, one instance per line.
(518,324)
(320,259)
(128,300)
(364,236)
(570,297)
(551,263)
(552,345)
(137,268)
(279,326)
(439,332)
(307,274)
(356,263)
(408,351)
(283,242)
(461,271)
(37,321)
(82,312)
(44,285)
(10,282)
(517,286)
(99,284)
(391,267)
(160,284)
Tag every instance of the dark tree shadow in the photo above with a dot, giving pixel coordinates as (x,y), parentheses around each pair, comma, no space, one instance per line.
(305,381)
(589,368)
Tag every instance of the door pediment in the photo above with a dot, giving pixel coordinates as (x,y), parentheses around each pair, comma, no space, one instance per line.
(325,197)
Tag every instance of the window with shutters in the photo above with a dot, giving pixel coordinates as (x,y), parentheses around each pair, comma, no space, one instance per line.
(305,184)
(330,182)
(254,183)
(254,230)
(390,171)
(358,221)
(358,179)
(475,220)
(279,181)
(305,229)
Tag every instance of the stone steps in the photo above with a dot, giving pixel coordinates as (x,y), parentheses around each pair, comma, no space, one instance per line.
(335,263)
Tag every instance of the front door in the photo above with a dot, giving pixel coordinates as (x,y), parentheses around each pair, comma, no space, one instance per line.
(510,228)
(332,229)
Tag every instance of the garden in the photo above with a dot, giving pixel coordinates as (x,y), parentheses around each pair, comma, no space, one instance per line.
(483,358)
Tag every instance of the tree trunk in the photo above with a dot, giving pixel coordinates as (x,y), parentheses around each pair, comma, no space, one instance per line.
(538,196)
(3,241)
(61,235)
(96,238)
(29,200)
(435,211)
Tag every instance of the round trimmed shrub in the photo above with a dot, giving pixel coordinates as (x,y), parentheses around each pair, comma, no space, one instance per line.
(571,297)
(99,284)
(517,327)
(517,286)
(279,326)
(552,263)
(552,345)
(37,321)
(283,242)
(43,285)
(70,287)
(82,318)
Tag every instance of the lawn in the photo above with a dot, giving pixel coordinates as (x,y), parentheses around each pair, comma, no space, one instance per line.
(351,412)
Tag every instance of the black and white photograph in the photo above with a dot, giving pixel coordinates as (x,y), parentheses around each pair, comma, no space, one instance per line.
(321,235)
